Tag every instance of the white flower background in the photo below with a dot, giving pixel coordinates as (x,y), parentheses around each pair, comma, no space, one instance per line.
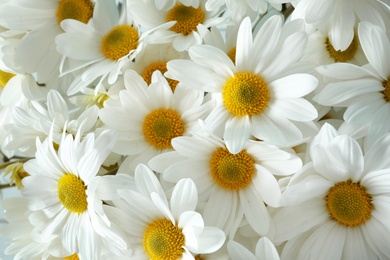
(195,129)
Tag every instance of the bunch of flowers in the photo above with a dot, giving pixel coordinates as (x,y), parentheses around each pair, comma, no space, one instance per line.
(196,129)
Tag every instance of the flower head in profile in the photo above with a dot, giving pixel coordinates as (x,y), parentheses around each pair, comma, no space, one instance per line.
(166,229)
(338,205)
(260,94)
(62,185)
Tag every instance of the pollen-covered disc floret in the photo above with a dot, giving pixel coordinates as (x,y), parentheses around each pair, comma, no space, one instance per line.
(161,126)
(80,10)
(342,56)
(119,41)
(245,94)
(162,67)
(5,77)
(232,171)
(187,18)
(71,193)
(386,91)
(163,240)
(349,204)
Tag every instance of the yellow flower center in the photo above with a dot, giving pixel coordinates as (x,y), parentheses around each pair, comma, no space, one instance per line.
(163,240)
(349,204)
(342,56)
(5,77)
(71,192)
(232,54)
(161,126)
(119,41)
(80,10)
(232,171)
(72,257)
(186,17)
(386,91)
(245,94)
(162,67)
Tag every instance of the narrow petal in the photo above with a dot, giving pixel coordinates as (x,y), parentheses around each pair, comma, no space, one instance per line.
(237,133)
(184,197)
(293,86)
(244,45)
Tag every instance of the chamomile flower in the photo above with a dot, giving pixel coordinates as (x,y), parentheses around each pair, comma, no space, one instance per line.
(37,119)
(40,20)
(62,185)
(231,185)
(336,19)
(155,57)
(364,91)
(162,229)
(181,19)
(259,95)
(101,47)
(337,206)
(147,118)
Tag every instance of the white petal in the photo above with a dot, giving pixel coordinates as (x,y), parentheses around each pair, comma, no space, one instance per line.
(244,45)
(377,157)
(293,86)
(267,186)
(265,249)
(184,197)
(297,109)
(210,240)
(376,46)
(237,133)
(238,252)
(147,182)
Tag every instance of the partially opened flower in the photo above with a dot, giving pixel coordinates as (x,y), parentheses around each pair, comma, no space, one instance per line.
(160,229)
(338,205)
(260,94)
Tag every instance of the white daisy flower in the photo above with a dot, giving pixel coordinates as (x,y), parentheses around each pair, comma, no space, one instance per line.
(34,121)
(264,250)
(365,91)
(182,20)
(231,185)
(160,229)
(155,57)
(338,205)
(259,95)
(62,185)
(336,18)
(147,118)
(40,20)
(101,47)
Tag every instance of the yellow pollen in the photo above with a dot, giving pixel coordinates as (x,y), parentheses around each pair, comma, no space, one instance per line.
(5,77)
(17,173)
(163,241)
(232,171)
(386,91)
(72,257)
(71,193)
(162,67)
(349,204)
(119,41)
(80,10)
(186,17)
(232,54)
(161,126)
(342,56)
(245,94)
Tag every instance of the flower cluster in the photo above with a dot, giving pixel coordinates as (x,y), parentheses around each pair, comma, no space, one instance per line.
(196,129)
